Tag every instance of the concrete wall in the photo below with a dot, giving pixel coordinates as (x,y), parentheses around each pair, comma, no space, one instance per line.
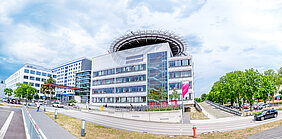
(154,116)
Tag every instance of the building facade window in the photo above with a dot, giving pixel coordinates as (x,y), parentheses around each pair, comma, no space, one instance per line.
(38,73)
(26,71)
(179,63)
(31,78)
(37,79)
(180,74)
(25,77)
(32,72)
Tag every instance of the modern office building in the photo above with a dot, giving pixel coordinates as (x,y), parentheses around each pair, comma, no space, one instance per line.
(66,76)
(82,81)
(2,93)
(139,62)
(29,74)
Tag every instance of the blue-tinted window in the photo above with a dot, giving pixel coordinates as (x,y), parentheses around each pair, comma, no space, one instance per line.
(37,85)
(31,78)
(25,82)
(37,79)
(31,84)
(49,75)
(26,71)
(38,73)
(43,74)
(32,72)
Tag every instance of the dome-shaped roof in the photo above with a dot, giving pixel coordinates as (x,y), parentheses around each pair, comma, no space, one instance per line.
(143,38)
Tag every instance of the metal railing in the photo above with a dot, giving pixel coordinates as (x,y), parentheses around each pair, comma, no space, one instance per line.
(226,109)
(34,131)
(198,107)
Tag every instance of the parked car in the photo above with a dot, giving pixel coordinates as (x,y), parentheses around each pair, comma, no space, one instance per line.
(256,107)
(58,105)
(266,114)
(246,106)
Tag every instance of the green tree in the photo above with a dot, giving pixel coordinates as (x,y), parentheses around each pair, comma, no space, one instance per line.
(50,90)
(25,91)
(251,85)
(204,97)
(174,94)
(8,92)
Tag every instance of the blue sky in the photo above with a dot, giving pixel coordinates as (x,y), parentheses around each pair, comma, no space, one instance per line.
(222,36)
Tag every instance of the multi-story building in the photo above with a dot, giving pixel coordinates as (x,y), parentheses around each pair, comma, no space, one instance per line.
(66,76)
(2,93)
(29,74)
(82,81)
(137,63)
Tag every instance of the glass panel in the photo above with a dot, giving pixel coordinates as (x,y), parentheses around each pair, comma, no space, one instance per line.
(157,70)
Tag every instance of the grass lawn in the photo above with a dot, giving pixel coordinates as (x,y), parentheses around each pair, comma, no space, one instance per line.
(73,125)
(197,116)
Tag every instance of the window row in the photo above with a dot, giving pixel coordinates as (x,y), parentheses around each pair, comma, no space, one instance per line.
(120,70)
(178,85)
(130,89)
(38,73)
(138,99)
(120,80)
(180,74)
(67,66)
(33,84)
(179,63)
(34,78)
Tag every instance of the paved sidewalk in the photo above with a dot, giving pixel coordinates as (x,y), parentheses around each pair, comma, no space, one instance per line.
(49,127)
(274,133)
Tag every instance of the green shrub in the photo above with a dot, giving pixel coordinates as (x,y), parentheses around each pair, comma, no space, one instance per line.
(72,101)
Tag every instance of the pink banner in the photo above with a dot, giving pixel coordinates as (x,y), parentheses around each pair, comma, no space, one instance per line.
(185,88)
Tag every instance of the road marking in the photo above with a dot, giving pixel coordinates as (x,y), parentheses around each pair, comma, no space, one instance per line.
(6,125)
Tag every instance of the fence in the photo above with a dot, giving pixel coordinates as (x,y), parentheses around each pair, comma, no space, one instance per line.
(224,108)
(33,130)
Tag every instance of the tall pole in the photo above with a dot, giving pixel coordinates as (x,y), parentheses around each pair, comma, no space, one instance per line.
(182,115)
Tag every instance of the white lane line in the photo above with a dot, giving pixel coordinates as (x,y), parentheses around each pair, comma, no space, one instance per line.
(6,125)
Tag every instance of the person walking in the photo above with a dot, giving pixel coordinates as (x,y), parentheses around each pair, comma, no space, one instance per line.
(38,105)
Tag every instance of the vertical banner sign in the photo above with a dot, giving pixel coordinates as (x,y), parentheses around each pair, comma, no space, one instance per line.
(185,88)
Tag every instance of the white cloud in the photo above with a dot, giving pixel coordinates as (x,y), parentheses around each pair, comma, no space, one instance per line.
(228,35)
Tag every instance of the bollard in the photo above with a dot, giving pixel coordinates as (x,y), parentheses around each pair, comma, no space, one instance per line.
(44,108)
(56,112)
(194,131)
(82,128)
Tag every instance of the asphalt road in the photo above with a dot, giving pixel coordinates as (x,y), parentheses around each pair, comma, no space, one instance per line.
(218,125)
(11,119)
(273,133)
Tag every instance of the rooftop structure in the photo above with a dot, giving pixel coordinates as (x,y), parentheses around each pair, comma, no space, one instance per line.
(143,38)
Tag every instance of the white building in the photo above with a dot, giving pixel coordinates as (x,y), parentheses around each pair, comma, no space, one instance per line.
(29,74)
(139,62)
(66,76)
(2,93)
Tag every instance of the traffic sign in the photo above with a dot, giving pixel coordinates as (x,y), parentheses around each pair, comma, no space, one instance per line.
(278,97)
